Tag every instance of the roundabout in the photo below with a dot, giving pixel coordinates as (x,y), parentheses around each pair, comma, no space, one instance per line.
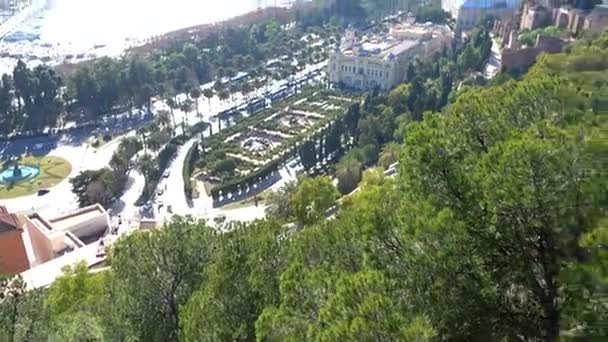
(31,174)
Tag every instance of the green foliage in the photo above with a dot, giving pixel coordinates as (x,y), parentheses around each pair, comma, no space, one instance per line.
(528,37)
(389,155)
(313,198)
(348,173)
(278,202)
(307,153)
(157,272)
(225,166)
(361,310)
(188,168)
(73,292)
(102,186)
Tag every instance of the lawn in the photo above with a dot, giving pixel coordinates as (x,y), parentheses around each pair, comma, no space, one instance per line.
(52,171)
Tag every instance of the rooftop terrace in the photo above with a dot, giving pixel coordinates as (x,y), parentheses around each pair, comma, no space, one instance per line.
(399,38)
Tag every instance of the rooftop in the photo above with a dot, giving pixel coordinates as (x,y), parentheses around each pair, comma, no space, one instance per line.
(400,38)
(400,48)
(84,215)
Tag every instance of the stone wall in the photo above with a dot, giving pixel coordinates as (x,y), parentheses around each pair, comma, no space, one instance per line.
(520,59)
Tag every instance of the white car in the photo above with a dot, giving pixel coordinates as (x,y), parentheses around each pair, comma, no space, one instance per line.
(166,174)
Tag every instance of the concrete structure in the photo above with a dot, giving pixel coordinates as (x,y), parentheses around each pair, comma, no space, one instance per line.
(467,13)
(57,236)
(62,241)
(381,60)
(14,256)
(39,248)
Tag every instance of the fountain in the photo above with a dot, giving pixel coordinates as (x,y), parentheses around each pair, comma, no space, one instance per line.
(18,173)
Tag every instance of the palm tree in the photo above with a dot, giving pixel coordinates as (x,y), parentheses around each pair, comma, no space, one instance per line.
(208,93)
(185,107)
(233,90)
(142,132)
(163,118)
(224,95)
(389,155)
(246,89)
(145,165)
(172,106)
(195,94)
(218,86)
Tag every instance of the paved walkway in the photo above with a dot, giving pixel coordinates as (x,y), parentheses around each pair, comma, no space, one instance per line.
(494,63)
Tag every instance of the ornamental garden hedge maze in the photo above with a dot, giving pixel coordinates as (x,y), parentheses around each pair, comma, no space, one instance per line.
(244,159)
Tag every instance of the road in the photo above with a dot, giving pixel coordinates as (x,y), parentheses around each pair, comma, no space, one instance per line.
(61,199)
(173,186)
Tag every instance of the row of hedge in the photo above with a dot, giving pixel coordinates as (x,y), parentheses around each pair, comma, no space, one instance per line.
(248,180)
(191,158)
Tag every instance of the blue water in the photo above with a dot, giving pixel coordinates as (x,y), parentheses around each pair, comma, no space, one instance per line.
(27,172)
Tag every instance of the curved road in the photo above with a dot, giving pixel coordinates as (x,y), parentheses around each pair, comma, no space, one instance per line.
(60,199)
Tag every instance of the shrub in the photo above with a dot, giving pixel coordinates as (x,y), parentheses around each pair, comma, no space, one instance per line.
(225,166)
(188,168)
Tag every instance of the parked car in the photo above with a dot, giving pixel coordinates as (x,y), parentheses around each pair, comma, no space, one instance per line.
(166,174)
(43,192)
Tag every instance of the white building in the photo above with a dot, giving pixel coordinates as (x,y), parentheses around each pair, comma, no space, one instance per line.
(380,61)
(467,13)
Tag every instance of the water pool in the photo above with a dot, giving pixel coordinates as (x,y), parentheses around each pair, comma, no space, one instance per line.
(22,173)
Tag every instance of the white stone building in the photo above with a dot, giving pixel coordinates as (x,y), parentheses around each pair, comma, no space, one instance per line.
(380,61)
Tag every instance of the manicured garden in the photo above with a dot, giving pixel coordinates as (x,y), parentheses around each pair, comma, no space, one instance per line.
(256,146)
(52,171)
